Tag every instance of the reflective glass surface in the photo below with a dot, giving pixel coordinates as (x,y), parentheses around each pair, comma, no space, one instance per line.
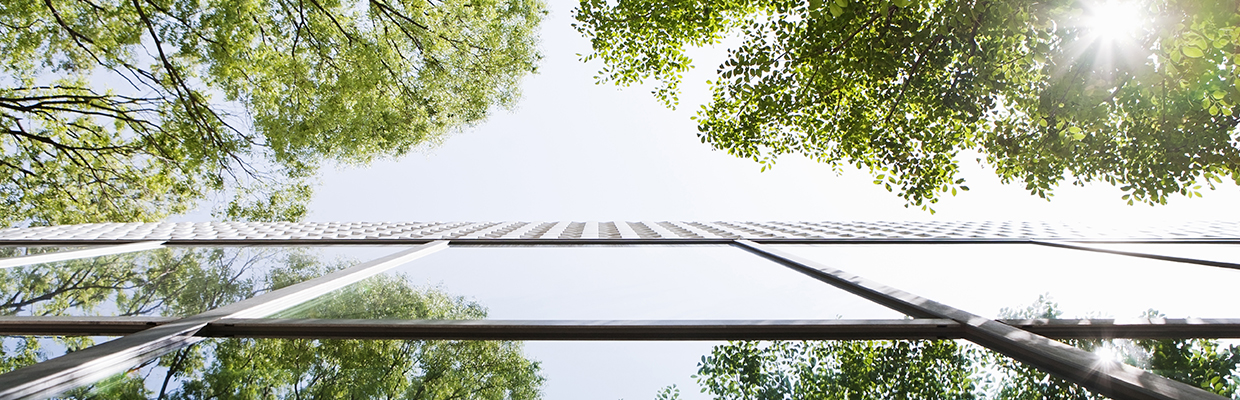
(592,283)
(288,369)
(20,351)
(1210,364)
(171,281)
(999,280)
(21,251)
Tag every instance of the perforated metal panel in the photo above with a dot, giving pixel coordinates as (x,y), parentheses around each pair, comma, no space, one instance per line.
(620,230)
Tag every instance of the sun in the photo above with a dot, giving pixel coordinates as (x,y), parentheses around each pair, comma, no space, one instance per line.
(1112,20)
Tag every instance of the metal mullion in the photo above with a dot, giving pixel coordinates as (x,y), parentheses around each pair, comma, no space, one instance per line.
(76,254)
(577,330)
(1143,328)
(1107,377)
(1077,246)
(79,326)
(551,238)
(89,365)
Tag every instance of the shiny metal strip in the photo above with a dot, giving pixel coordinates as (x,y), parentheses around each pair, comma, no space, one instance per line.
(76,254)
(1106,377)
(94,363)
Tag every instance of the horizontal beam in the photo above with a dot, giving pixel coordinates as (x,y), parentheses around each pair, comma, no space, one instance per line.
(604,242)
(1153,328)
(588,330)
(833,329)
(78,326)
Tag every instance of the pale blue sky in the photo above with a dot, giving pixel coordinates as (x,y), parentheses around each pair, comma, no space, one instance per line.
(574,150)
(578,151)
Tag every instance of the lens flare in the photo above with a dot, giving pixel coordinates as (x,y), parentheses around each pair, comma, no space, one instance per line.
(1114,20)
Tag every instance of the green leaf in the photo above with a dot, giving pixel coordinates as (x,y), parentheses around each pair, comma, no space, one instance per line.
(912,91)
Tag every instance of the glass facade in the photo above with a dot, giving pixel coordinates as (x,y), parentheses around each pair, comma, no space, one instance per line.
(474,317)
(597,283)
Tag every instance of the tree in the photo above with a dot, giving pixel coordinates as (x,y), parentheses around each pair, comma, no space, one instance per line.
(167,281)
(350,369)
(130,110)
(941,369)
(838,370)
(191,281)
(902,88)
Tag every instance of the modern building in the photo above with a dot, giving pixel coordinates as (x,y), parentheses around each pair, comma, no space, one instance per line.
(144,291)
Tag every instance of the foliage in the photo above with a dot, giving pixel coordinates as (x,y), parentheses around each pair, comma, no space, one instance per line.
(902,88)
(838,370)
(129,110)
(187,281)
(940,369)
(1204,363)
(1199,362)
(346,369)
(166,281)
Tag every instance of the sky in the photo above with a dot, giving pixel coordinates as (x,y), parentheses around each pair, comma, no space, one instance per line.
(574,150)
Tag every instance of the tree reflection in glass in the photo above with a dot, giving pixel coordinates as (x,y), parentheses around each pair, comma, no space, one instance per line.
(187,281)
(931,369)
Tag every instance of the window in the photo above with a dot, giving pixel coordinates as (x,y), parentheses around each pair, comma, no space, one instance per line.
(181,307)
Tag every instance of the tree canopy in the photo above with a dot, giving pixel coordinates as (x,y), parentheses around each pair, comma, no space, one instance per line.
(129,110)
(904,88)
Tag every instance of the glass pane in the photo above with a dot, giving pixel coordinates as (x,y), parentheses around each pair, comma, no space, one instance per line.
(986,279)
(174,281)
(593,283)
(286,368)
(19,251)
(20,351)
(1210,252)
(295,368)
